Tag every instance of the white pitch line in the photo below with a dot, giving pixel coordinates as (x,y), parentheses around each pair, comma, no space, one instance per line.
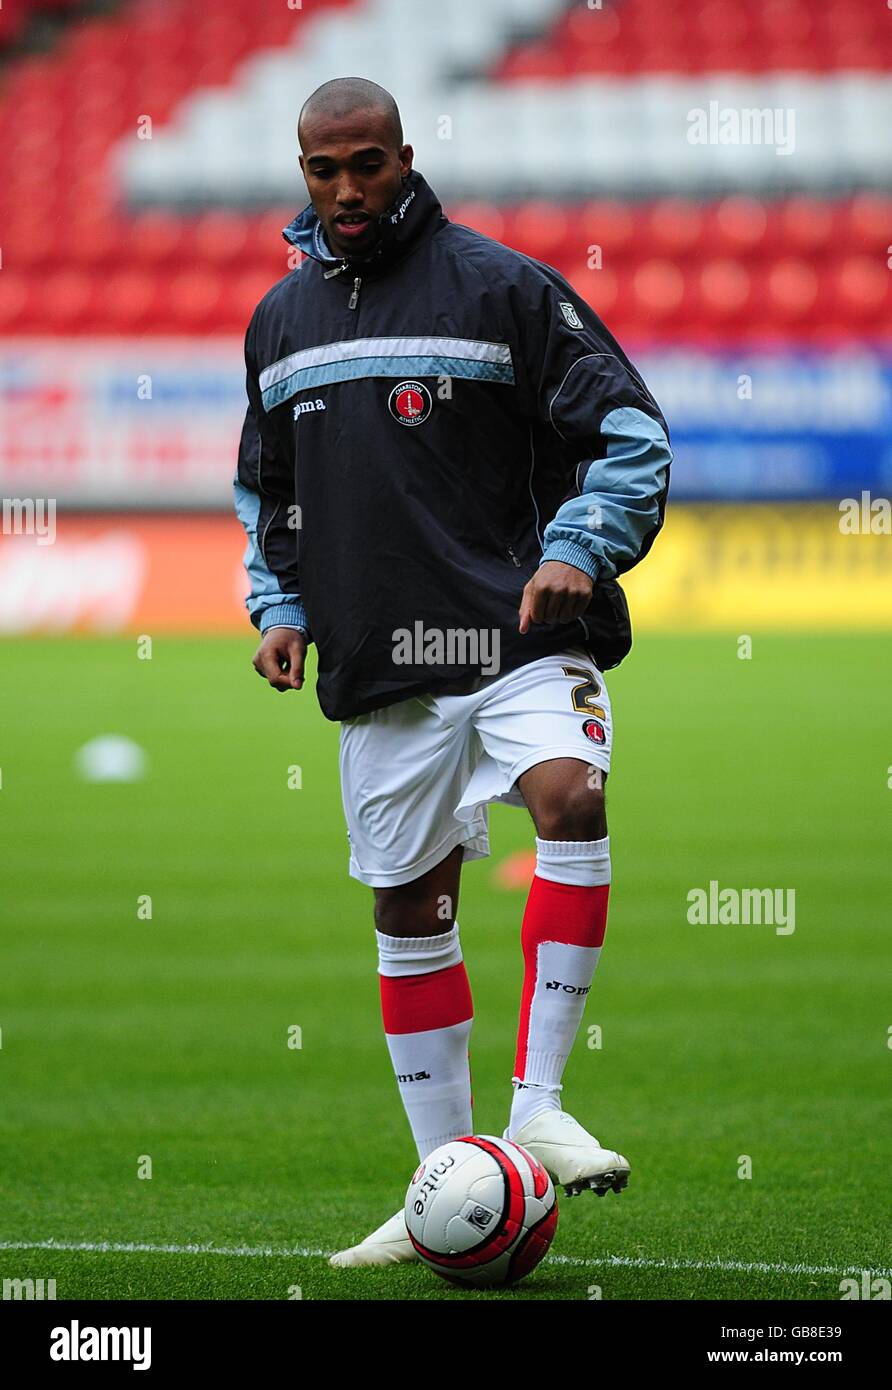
(109,1247)
(130,1247)
(732,1266)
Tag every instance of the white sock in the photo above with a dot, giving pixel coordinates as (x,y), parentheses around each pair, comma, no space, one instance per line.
(562,932)
(531,1099)
(428,1012)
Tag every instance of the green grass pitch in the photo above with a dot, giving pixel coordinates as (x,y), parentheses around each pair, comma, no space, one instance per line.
(167,1038)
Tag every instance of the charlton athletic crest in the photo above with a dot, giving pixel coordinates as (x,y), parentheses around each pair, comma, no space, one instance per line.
(594,729)
(410,403)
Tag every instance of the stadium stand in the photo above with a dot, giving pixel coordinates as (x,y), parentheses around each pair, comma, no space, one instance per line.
(109,232)
(148,163)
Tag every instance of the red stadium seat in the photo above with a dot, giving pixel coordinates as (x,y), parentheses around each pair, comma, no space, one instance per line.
(705,36)
(725,292)
(531,62)
(98,241)
(484,217)
(193,300)
(218,238)
(265,247)
(659,289)
(869,220)
(610,226)
(31,242)
(243,293)
(544,230)
(16,291)
(793,289)
(674,228)
(862,288)
(67,300)
(590,28)
(157,239)
(740,225)
(131,299)
(807,225)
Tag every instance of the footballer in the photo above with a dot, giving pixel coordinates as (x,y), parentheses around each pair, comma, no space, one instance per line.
(446,462)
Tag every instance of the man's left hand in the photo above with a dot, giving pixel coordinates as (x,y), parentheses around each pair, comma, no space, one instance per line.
(557,593)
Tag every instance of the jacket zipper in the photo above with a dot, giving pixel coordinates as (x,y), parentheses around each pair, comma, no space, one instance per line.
(514,557)
(339,270)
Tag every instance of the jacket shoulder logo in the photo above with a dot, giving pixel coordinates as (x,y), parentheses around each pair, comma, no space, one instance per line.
(570,314)
(307,407)
(410,403)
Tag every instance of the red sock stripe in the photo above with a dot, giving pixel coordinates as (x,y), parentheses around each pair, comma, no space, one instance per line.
(418,1003)
(555,912)
(566,913)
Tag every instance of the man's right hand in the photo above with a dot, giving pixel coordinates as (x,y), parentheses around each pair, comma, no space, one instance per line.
(280,658)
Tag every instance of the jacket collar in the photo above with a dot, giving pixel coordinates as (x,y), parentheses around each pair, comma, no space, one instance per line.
(416,212)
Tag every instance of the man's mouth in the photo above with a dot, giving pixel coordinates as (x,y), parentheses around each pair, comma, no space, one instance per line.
(352,223)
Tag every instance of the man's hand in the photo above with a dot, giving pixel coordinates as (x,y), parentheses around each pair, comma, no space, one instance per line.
(280,658)
(557,593)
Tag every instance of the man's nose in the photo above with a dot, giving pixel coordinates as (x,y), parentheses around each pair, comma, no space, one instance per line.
(348,194)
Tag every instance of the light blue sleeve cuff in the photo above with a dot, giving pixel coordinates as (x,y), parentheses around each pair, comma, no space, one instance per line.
(603,528)
(569,553)
(285,615)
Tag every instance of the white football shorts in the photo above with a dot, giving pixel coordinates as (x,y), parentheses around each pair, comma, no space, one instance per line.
(417,776)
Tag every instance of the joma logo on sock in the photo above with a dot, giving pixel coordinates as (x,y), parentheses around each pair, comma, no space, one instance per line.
(413,1076)
(568,989)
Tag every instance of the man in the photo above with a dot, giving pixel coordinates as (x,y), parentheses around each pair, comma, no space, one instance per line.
(446,461)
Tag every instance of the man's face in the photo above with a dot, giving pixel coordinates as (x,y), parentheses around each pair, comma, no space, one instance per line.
(353,173)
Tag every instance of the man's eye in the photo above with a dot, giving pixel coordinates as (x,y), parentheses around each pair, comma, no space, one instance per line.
(371,168)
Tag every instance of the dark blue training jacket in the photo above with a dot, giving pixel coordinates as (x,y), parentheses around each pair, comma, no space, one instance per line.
(424,429)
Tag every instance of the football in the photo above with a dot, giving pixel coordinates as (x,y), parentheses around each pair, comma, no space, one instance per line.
(481,1211)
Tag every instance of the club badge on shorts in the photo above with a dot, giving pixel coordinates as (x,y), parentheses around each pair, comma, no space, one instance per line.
(410,403)
(594,729)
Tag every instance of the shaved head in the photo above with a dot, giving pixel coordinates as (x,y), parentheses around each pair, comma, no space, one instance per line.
(347,96)
(353,160)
